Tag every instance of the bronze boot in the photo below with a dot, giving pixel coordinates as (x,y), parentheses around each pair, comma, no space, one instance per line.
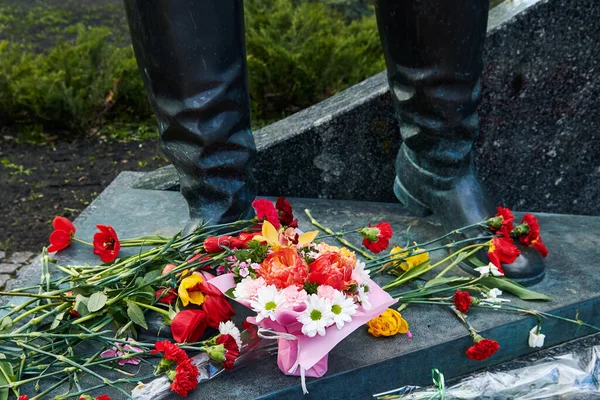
(433,51)
(192,58)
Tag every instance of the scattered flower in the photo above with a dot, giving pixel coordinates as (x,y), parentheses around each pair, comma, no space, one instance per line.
(215,305)
(189,290)
(229,328)
(488,270)
(536,337)
(316,317)
(186,378)
(265,210)
(232,350)
(377,238)
(266,303)
(63,234)
(528,232)
(493,297)
(482,349)
(502,251)
(389,323)
(502,222)
(24,396)
(166,295)
(106,243)
(462,301)
(214,244)
(170,351)
(399,258)
(123,351)
(188,326)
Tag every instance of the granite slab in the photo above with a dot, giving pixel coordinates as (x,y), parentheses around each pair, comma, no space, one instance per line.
(362,365)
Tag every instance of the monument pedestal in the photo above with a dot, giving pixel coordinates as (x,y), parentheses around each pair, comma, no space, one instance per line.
(362,365)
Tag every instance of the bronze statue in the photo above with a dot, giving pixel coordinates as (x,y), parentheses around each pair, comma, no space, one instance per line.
(192,58)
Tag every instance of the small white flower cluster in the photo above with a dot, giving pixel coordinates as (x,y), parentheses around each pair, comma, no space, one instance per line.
(488,270)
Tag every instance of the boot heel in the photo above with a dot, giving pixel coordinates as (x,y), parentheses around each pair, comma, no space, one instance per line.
(413,205)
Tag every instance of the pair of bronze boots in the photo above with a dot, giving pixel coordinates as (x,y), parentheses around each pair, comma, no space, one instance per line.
(192,58)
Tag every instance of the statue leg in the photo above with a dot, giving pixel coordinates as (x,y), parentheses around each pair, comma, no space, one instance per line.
(192,58)
(433,51)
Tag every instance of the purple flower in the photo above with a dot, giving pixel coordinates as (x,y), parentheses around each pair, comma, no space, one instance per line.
(121,350)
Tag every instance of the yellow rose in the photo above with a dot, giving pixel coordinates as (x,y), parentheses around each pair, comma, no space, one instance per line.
(387,324)
(409,262)
(189,290)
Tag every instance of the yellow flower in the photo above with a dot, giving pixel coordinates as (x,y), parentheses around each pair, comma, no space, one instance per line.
(389,323)
(189,291)
(271,236)
(409,262)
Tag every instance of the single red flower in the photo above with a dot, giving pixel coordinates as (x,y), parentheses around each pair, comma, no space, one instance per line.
(166,295)
(188,326)
(215,305)
(232,350)
(23,397)
(502,251)
(529,234)
(212,244)
(482,349)
(265,210)
(186,378)
(462,301)
(247,237)
(377,238)
(103,397)
(63,233)
(106,243)
(502,222)
(286,215)
(170,351)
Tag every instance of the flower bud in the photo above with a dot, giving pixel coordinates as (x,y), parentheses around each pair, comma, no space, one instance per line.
(216,352)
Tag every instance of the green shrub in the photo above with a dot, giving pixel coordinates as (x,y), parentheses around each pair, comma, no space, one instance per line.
(81,78)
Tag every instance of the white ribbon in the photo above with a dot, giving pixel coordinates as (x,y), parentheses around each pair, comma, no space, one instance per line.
(270,334)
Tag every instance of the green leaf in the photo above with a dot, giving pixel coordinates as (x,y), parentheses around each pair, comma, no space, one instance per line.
(81,305)
(96,302)
(5,324)
(476,261)
(152,275)
(229,293)
(6,376)
(447,281)
(507,285)
(136,314)
(145,295)
(57,320)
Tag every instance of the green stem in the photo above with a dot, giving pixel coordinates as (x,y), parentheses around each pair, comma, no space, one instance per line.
(149,307)
(83,242)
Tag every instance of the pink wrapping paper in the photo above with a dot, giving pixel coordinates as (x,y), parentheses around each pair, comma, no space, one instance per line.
(313,351)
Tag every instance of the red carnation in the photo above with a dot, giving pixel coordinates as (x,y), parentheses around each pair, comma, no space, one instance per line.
(482,349)
(529,234)
(502,222)
(502,251)
(166,295)
(188,326)
(377,238)
(215,305)
(212,244)
(232,350)
(286,215)
(265,210)
(23,397)
(186,378)
(106,243)
(170,351)
(103,397)
(63,233)
(462,301)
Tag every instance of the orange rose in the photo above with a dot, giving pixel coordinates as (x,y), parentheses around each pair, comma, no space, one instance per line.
(331,269)
(387,324)
(284,267)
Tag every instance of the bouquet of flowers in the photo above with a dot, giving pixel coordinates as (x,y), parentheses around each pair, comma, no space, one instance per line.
(309,295)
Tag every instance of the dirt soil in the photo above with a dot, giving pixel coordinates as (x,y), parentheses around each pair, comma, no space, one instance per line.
(38,182)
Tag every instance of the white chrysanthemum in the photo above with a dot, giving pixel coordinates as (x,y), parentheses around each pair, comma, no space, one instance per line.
(493,297)
(342,309)
(316,317)
(267,301)
(363,297)
(229,328)
(359,273)
(488,270)
(247,289)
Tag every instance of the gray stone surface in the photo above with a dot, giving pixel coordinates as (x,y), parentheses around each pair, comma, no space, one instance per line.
(362,365)
(20,257)
(4,279)
(539,121)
